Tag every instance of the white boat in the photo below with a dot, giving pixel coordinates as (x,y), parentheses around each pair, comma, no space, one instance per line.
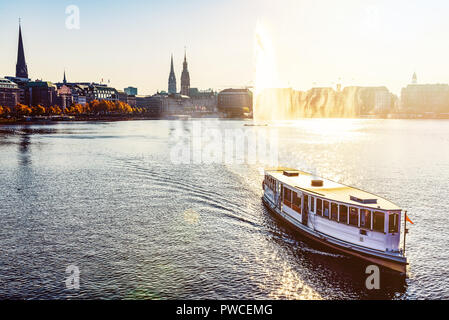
(343,218)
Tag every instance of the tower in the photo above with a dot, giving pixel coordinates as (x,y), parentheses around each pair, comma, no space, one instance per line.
(172,79)
(414,78)
(21,66)
(64,81)
(185,78)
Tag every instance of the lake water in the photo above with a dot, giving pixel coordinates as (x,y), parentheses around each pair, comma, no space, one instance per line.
(110,199)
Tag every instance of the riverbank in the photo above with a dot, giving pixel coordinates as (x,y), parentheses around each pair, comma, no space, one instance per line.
(52,119)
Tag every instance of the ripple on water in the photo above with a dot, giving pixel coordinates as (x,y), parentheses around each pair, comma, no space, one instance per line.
(107,198)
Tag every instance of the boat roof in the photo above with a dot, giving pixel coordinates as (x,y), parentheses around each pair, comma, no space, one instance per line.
(331,190)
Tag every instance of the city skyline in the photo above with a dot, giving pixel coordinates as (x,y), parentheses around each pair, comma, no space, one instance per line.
(385,45)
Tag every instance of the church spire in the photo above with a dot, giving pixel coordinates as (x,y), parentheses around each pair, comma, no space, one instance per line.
(65,79)
(185,77)
(21,66)
(172,79)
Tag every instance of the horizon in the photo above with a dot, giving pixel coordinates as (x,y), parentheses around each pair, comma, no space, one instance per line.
(410,32)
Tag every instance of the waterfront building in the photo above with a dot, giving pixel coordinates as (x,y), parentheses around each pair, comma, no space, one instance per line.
(131,100)
(122,96)
(205,100)
(375,100)
(127,98)
(235,102)
(21,83)
(172,79)
(101,92)
(131,91)
(64,96)
(80,99)
(79,93)
(151,104)
(185,78)
(9,93)
(425,98)
(42,93)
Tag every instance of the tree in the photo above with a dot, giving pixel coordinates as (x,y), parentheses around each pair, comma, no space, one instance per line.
(38,110)
(23,110)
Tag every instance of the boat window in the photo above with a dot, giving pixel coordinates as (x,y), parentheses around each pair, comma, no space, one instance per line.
(379,221)
(326,209)
(334,211)
(312,204)
(343,214)
(319,206)
(354,216)
(287,197)
(296,202)
(365,219)
(393,223)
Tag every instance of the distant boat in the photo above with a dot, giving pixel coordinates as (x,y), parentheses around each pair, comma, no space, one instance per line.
(255,125)
(344,218)
(178,117)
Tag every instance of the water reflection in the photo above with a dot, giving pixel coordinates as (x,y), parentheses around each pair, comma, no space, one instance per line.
(318,265)
(24,153)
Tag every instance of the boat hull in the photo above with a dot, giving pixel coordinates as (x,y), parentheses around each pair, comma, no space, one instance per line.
(396,264)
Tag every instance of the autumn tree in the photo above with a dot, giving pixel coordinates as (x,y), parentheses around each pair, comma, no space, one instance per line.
(37,110)
(23,110)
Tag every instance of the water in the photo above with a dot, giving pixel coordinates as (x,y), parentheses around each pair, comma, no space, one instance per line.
(107,198)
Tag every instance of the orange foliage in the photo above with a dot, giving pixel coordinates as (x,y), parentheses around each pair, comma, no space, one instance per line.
(96,107)
(23,110)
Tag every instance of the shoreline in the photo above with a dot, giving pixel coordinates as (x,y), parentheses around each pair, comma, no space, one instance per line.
(4,121)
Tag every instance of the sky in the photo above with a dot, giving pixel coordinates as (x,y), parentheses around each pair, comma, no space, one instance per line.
(315,43)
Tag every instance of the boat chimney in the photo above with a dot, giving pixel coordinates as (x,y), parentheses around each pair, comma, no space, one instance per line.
(317,183)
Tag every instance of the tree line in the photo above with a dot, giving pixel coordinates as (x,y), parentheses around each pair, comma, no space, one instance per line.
(96,107)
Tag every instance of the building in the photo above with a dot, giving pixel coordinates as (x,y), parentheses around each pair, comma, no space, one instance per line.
(64,96)
(131,91)
(21,78)
(126,98)
(122,96)
(151,104)
(22,84)
(205,100)
(235,102)
(97,91)
(425,98)
(21,66)
(185,78)
(79,93)
(132,100)
(42,93)
(172,79)
(84,92)
(375,100)
(9,93)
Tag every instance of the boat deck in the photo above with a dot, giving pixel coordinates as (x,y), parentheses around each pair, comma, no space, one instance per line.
(332,190)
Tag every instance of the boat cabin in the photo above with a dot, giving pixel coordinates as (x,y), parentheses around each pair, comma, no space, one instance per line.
(335,210)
